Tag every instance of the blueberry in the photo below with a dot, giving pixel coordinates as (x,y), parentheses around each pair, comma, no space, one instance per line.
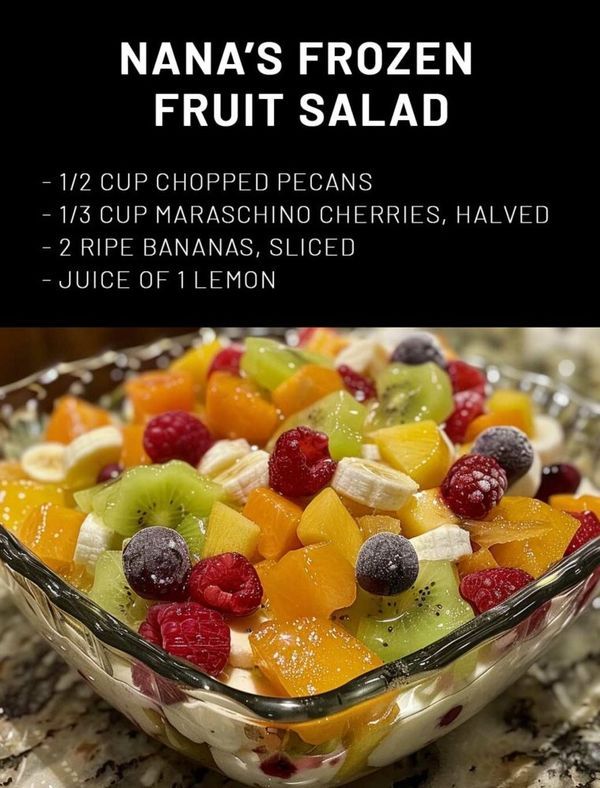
(387,564)
(419,348)
(157,564)
(509,447)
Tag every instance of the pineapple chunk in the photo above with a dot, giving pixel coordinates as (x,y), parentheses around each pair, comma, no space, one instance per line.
(229,531)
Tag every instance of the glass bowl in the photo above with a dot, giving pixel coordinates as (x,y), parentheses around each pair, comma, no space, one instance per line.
(330,738)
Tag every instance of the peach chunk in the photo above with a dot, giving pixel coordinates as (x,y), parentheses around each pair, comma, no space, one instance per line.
(326,519)
(51,532)
(475,562)
(277,519)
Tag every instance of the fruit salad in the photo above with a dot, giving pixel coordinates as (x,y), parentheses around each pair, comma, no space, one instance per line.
(289,517)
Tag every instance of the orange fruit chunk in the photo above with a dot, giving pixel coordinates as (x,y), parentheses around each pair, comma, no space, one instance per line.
(500,418)
(371,524)
(309,384)
(309,655)
(77,575)
(50,531)
(326,519)
(572,503)
(423,512)
(311,581)
(133,452)
(325,341)
(72,417)
(418,450)
(537,553)
(196,362)
(19,497)
(159,391)
(357,509)
(235,408)
(278,520)
(480,559)
(11,469)
(510,399)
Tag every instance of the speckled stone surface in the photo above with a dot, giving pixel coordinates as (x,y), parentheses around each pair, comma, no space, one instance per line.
(544,732)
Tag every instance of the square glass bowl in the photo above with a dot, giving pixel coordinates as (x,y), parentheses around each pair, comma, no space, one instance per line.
(330,738)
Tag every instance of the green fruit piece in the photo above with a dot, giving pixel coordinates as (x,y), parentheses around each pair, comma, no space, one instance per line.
(395,626)
(112,592)
(339,416)
(193,530)
(156,495)
(269,363)
(99,492)
(411,392)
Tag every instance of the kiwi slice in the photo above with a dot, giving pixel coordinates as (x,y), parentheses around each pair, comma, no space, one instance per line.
(112,593)
(156,495)
(193,530)
(395,626)
(411,392)
(339,416)
(85,498)
(269,363)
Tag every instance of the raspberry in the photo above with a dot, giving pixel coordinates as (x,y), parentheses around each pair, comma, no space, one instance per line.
(558,479)
(589,529)
(305,335)
(189,631)
(227,582)
(227,360)
(464,377)
(300,463)
(485,589)
(467,406)
(361,387)
(176,435)
(474,485)
(109,473)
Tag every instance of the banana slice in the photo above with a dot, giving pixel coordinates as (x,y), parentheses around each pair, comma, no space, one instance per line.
(363,356)
(45,462)
(94,538)
(89,453)
(372,483)
(247,474)
(370,451)
(528,484)
(548,439)
(444,543)
(222,455)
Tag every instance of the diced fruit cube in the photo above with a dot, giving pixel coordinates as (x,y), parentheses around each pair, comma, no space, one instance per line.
(77,575)
(133,452)
(423,511)
(475,562)
(311,581)
(229,531)
(71,417)
(417,449)
(263,568)
(326,519)
(509,399)
(371,524)
(196,362)
(500,418)
(309,655)
(11,469)
(235,408)
(269,363)
(536,554)
(278,519)
(19,496)
(50,531)
(572,503)
(157,392)
(325,341)
(306,386)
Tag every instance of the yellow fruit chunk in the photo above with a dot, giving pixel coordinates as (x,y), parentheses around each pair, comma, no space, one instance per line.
(500,418)
(418,450)
(311,581)
(326,341)
(50,531)
(263,569)
(326,519)
(309,655)
(77,575)
(196,362)
(423,512)
(534,555)
(511,400)
(365,733)
(229,531)
(133,452)
(371,524)
(480,559)
(11,469)
(357,509)
(19,497)
(277,519)
(309,384)
(571,503)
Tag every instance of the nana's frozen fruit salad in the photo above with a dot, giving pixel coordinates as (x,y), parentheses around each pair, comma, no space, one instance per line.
(288,518)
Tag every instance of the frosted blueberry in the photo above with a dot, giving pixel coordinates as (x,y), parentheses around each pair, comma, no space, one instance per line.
(419,348)
(509,447)
(387,564)
(157,564)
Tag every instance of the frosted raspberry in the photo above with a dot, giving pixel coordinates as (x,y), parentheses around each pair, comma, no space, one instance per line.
(474,485)
(589,529)
(485,589)
(361,387)
(300,463)
(189,631)
(227,582)
(176,435)
(227,360)
(467,406)
(464,377)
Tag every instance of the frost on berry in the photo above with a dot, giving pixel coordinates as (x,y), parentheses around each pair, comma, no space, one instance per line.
(227,582)
(485,589)
(474,485)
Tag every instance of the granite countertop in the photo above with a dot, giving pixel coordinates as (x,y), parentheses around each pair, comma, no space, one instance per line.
(544,731)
